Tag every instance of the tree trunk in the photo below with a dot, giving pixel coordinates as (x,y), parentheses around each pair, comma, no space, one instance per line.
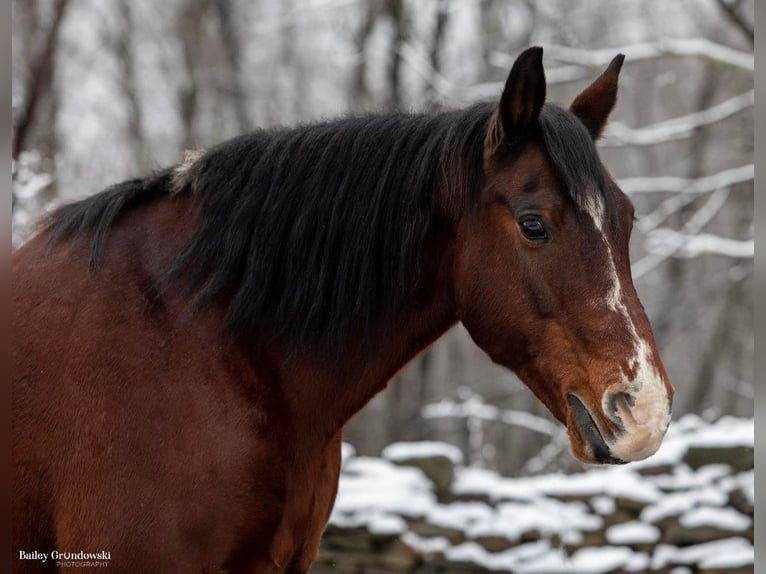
(395,11)
(39,81)
(125,57)
(232,50)
(360,96)
(435,54)
(190,36)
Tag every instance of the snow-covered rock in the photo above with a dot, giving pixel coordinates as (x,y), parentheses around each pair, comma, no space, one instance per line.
(437,460)
(663,515)
(633,533)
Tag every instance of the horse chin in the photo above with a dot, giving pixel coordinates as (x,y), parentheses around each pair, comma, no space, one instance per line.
(586,438)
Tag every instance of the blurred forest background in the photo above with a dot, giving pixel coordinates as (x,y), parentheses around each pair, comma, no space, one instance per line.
(109,89)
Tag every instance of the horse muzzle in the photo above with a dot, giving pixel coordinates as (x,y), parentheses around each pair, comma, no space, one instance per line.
(630,427)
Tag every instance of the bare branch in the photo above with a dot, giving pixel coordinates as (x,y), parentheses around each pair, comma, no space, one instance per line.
(687,246)
(437,82)
(458,93)
(548,454)
(476,408)
(739,21)
(699,47)
(661,247)
(668,207)
(676,128)
(490,90)
(581,61)
(305,14)
(669,184)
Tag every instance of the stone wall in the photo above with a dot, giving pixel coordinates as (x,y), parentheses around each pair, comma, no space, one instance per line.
(688,509)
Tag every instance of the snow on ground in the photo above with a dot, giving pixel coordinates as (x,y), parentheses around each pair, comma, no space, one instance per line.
(400,451)
(723,518)
(684,478)
(535,557)
(603,505)
(727,553)
(545,516)
(677,503)
(370,487)
(633,532)
(738,555)
(690,430)
(616,482)
(607,519)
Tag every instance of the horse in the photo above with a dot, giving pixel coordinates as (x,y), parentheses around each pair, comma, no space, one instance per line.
(189,345)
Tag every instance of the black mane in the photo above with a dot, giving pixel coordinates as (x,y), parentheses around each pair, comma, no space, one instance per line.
(307,232)
(312,229)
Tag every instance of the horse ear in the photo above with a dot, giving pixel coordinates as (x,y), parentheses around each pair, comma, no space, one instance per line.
(595,103)
(524,93)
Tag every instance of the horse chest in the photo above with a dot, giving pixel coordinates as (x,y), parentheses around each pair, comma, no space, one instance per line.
(292,514)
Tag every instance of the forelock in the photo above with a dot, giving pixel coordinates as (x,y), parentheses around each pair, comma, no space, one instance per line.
(574,157)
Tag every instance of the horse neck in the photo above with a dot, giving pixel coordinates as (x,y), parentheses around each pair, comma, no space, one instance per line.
(325,390)
(321,391)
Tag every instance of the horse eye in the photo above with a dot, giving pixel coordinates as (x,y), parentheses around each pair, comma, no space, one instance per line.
(533,229)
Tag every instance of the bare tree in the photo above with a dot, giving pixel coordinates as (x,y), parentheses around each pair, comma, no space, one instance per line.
(441,21)
(189,30)
(39,79)
(395,11)
(230,40)
(731,8)
(128,84)
(359,92)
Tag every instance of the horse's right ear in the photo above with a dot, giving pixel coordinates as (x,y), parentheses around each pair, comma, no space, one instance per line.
(595,103)
(524,93)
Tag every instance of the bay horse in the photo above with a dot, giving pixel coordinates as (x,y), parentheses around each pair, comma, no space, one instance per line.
(189,345)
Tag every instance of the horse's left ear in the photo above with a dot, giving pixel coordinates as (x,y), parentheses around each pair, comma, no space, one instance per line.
(595,103)
(524,94)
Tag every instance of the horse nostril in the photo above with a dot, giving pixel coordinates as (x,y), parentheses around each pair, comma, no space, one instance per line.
(618,407)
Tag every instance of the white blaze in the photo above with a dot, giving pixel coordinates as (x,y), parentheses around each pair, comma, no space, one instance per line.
(647,419)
